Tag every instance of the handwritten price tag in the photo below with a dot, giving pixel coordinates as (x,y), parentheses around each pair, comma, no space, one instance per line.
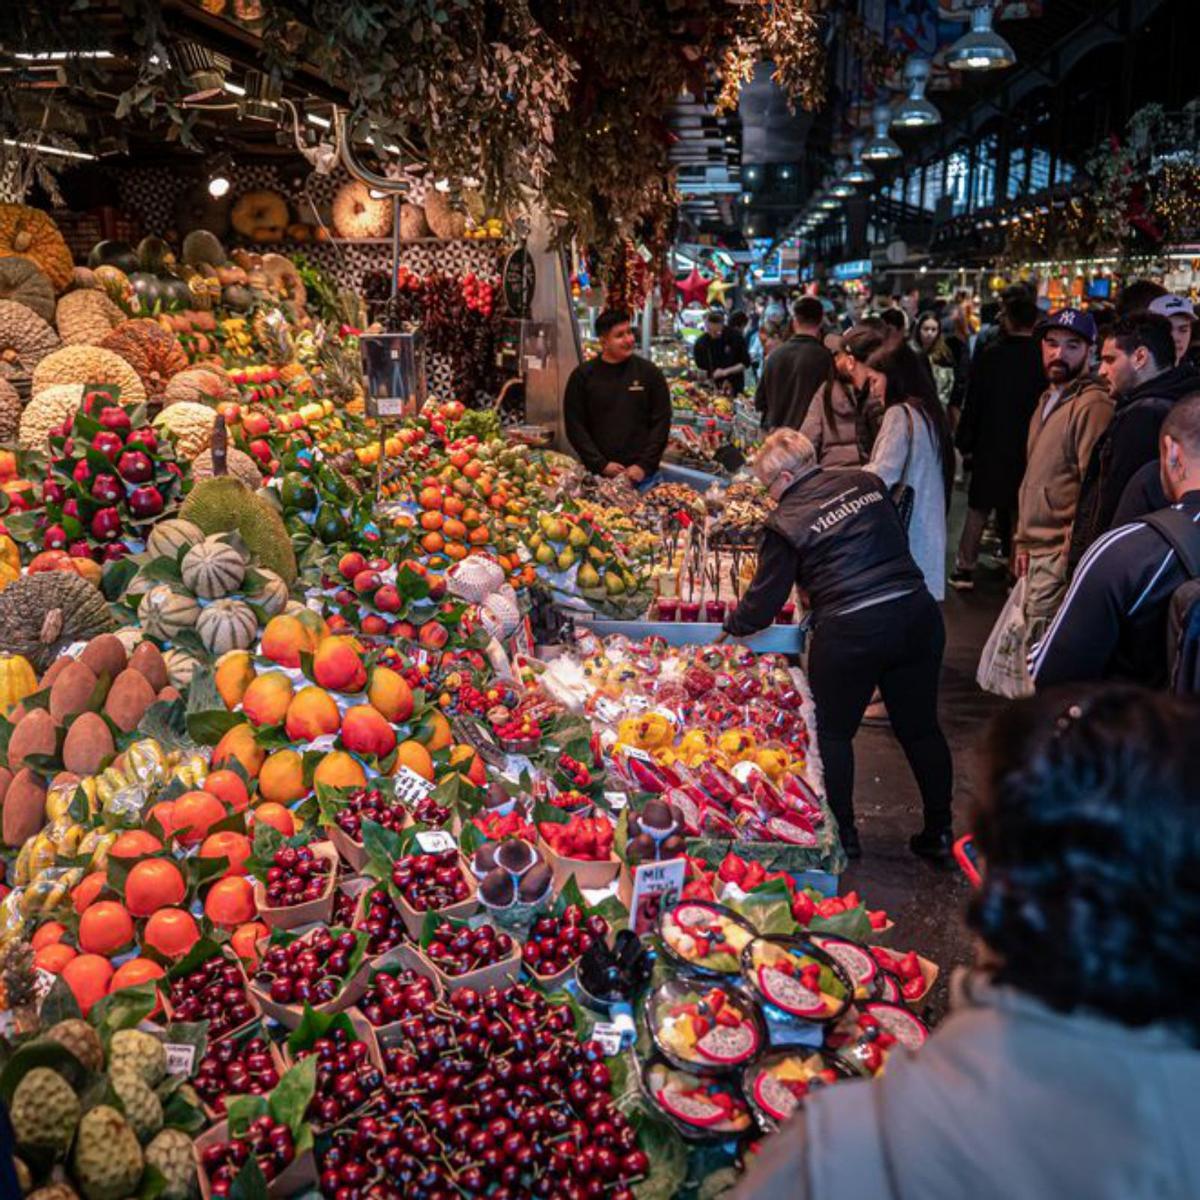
(181,1058)
(609,1036)
(435,841)
(411,787)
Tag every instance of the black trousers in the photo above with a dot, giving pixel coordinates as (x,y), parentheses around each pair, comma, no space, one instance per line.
(896,646)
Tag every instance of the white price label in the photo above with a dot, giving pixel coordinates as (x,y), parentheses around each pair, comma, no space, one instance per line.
(411,787)
(638,753)
(616,800)
(608,710)
(609,1036)
(181,1058)
(435,841)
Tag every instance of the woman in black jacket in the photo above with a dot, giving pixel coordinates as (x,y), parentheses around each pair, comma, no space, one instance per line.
(837,537)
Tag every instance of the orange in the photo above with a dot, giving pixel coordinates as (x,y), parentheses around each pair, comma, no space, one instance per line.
(88,976)
(441,736)
(153,883)
(87,891)
(432,542)
(430,497)
(171,932)
(480,535)
(245,941)
(455,506)
(133,843)
(416,758)
(431,520)
(229,788)
(54,957)
(105,927)
(228,844)
(456,551)
(47,935)
(230,902)
(164,813)
(277,817)
(194,813)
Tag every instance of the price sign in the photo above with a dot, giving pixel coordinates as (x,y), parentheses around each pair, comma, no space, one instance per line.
(609,711)
(435,841)
(655,886)
(616,800)
(609,1036)
(181,1058)
(410,787)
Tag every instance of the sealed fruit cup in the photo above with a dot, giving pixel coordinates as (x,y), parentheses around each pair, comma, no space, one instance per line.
(705,1028)
(869,1033)
(797,978)
(667,608)
(700,1107)
(779,1083)
(856,960)
(705,939)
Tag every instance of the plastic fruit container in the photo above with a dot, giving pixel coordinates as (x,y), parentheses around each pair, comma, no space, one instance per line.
(778,1083)
(701,1108)
(796,978)
(705,1028)
(694,934)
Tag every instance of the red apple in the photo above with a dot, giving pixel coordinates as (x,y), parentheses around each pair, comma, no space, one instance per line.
(350,564)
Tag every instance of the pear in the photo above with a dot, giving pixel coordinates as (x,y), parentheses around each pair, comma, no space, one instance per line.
(614,585)
(555,529)
(544,554)
(577,536)
(588,576)
(566,559)
(596,554)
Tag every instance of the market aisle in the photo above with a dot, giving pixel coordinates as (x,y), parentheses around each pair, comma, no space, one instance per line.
(927,902)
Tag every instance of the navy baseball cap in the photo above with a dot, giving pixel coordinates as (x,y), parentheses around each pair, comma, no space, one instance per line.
(1079,323)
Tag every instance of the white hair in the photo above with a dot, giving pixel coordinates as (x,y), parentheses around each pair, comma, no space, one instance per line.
(784,450)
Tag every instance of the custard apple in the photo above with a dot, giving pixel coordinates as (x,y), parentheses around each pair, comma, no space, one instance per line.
(143,1109)
(171,1153)
(54,1191)
(82,1041)
(107,1162)
(142,1053)
(44,1111)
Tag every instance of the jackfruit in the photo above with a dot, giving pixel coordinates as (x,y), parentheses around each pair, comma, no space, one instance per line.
(141,1053)
(82,1041)
(107,1162)
(223,503)
(143,1109)
(171,1153)
(44,1112)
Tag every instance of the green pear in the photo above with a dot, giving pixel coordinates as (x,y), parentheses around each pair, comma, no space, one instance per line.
(566,559)
(544,554)
(588,576)
(577,536)
(614,585)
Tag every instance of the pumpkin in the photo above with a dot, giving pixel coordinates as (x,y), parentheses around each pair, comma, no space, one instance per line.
(22,283)
(41,615)
(92,365)
(10,411)
(115,284)
(86,317)
(164,612)
(260,216)
(18,679)
(357,214)
(10,552)
(168,537)
(446,223)
(25,339)
(227,625)
(212,569)
(270,593)
(150,350)
(181,666)
(32,234)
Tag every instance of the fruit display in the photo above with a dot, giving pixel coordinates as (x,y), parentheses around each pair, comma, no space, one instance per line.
(700,1107)
(797,978)
(779,1083)
(710,1029)
(705,937)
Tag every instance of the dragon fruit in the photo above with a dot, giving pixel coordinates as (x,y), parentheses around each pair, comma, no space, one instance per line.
(790,994)
(774,1097)
(907,1029)
(859,964)
(727,1045)
(784,829)
(692,1109)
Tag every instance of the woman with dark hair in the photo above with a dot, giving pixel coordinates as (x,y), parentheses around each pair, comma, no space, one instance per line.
(843,419)
(1070,1066)
(914,449)
(946,358)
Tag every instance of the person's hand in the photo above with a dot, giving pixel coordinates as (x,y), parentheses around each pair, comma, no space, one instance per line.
(613,470)
(1021,564)
(635,473)
(721,637)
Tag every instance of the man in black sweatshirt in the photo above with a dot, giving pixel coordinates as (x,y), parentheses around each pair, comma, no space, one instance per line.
(1137,361)
(617,407)
(1113,622)
(796,369)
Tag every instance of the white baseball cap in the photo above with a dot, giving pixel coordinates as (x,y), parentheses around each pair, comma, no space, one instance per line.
(1173,306)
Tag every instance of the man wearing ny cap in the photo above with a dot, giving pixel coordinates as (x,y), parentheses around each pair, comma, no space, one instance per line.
(1068,419)
(1182,315)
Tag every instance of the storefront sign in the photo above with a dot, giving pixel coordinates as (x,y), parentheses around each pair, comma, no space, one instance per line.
(854,269)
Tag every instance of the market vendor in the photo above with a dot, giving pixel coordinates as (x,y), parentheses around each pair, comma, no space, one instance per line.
(721,353)
(836,535)
(617,408)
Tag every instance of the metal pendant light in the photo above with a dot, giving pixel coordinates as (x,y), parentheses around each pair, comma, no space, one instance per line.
(858,173)
(981,49)
(914,111)
(840,187)
(882,147)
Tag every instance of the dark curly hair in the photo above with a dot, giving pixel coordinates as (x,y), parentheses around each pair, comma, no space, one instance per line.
(1090,834)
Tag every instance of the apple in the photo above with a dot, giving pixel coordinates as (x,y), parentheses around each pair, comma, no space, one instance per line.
(107,489)
(350,564)
(116,419)
(108,443)
(106,524)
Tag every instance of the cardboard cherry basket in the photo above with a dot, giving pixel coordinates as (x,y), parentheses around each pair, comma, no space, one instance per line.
(311,912)
(277,1061)
(500,974)
(290,1015)
(169,1012)
(587,873)
(300,1175)
(379,1036)
(414,921)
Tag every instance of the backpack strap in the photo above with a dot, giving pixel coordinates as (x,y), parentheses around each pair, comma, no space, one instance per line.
(1178,530)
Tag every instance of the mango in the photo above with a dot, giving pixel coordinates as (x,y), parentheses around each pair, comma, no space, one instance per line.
(234,674)
(365,730)
(390,694)
(239,744)
(312,713)
(267,698)
(285,637)
(338,665)
(337,769)
(282,777)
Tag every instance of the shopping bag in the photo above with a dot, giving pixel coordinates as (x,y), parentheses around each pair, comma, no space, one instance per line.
(1003,666)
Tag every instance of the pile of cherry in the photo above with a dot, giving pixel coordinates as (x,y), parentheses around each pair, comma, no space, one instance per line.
(486,1094)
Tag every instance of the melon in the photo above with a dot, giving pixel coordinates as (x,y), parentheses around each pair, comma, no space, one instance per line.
(227,625)
(164,612)
(774,1097)
(694,1110)
(181,667)
(271,595)
(789,993)
(728,1044)
(167,538)
(212,569)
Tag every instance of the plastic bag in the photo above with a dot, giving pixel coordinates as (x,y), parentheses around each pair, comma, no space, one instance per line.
(1003,665)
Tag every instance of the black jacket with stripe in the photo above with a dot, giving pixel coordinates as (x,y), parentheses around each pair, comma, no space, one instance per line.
(1113,622)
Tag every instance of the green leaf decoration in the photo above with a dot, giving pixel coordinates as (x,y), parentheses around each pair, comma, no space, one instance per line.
(41,1053)
(125,1008)
(315,1025)
(290,1100)
(668,1156)
(59,1004)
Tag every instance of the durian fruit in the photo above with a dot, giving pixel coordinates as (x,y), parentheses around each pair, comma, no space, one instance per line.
(81,1039)
(17,978)
(107,1162)
(224,503)
(44,1111)
(139,1052)
(143,1109)
(171,1153)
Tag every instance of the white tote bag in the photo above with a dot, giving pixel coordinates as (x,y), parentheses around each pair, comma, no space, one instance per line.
(1003,665)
